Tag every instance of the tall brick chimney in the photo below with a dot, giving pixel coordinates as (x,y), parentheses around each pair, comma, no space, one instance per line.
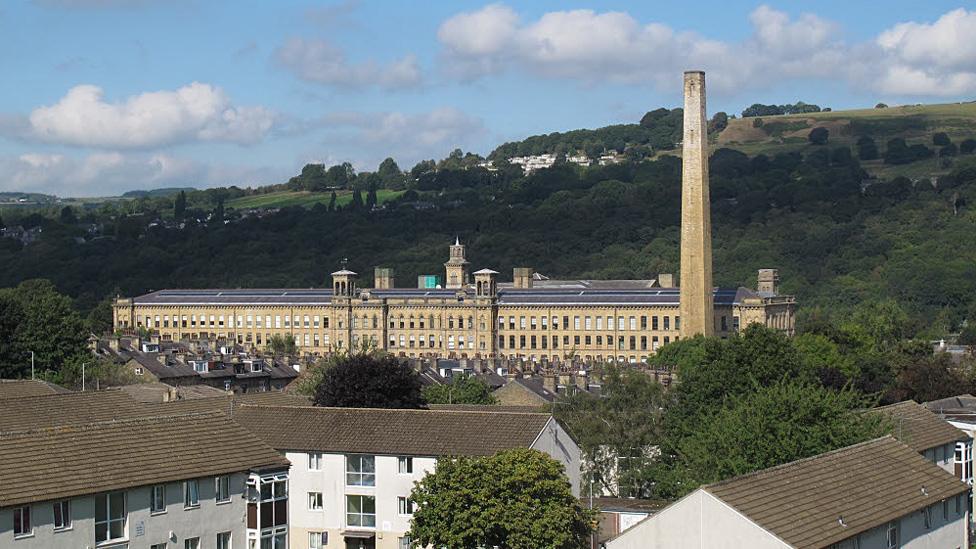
(697,308)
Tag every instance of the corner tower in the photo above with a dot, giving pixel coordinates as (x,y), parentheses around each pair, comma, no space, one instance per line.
(456,268)
(697,307)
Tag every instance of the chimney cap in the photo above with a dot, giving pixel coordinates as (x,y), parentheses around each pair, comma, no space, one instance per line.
(695,72)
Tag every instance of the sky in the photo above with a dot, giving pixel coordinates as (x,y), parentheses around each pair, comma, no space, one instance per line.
(98,97)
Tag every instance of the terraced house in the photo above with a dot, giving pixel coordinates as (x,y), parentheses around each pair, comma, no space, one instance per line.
(101,470)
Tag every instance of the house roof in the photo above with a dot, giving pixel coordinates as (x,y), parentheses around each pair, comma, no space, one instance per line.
(63,462)
(918,427)
(156,391)
(392,432)
(172,369)
(956,403)
(20,388)
(223,403)
(627,505)
(866,485)
(56,410)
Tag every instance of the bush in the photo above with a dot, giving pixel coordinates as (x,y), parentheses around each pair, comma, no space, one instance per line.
(968,146)
(941,139)
(881,106)
(757,123)
(818,136)
(867,149)
(949,150)
(369,381)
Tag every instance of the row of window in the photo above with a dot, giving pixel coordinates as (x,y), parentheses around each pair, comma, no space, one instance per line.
(360,509)
(110,509)
(591,323)
(249,321)
(223,542)
(623,342)
(430,341)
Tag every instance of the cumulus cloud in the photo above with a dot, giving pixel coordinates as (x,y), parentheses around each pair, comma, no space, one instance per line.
(931,58)
(191,113)
(111,173)
(322,62)
(367,138)
(593,47)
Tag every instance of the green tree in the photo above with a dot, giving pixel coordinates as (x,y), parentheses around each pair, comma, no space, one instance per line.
(219,212)
(618,431)
(179,206)
(332,201)
(68,216)
(515,499)
(461,389)
(368,380)
(968,335)
(46,324)
(867,149)
(968,146)
(281,345)
(819,136)
(357,200)
(777,424)
(371,199)
(390,174)
(941,139)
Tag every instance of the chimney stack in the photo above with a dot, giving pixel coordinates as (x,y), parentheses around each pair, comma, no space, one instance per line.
(523,277)
(383,278)
(697,309)
(768,281)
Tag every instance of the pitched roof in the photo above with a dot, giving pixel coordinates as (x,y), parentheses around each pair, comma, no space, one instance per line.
(225,402)
(64,462)
(155,392)
(866,484)
(956,403)
(918,427)
(172,369)
(68,409)
(392,432)
(20,388)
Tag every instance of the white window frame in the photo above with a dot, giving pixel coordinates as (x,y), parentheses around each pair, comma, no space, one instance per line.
(65,505)
(318,540)
(405,465)
(191,543)
(225,540)
(891,535)
(405,506)
(222,489)
(21,511)
(315,501)
(109,520)
(363,516)
(191,494)
(315,461)
(153,509)
(365,478)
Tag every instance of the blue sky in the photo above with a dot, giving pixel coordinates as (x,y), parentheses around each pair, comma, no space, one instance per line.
(103,96)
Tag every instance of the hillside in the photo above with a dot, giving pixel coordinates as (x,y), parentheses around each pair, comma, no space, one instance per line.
(916,124)
(840,237)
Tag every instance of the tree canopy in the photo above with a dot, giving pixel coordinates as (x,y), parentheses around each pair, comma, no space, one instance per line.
(460,389)
(515,499)
(369,380)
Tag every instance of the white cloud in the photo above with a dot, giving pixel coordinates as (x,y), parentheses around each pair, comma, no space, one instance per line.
(322,62)
(930,58)
(367,138)
(594,47)
(112,173)
(193,112)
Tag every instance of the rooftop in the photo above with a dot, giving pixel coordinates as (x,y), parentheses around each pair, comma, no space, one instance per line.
(392,432)
(918,427)
(54,463)
(20,388)
(803,502)
(56,410)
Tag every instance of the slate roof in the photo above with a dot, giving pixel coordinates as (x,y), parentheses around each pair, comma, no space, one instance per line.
(956,403)
(867,485)
(918,427)
(595,292)
(392,432)
(46,464)
(225,402)
(173,369)
(56,410)
(20,388)
(155,392)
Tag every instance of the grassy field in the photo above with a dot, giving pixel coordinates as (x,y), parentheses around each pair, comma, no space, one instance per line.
(302,198)
(914,123)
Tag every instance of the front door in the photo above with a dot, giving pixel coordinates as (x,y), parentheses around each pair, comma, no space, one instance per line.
(360,543)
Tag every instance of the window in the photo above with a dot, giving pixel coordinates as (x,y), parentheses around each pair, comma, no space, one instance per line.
(191,494)
(109,517)
(892,535)
(158,546)
(191,543)
(318,540)
(222,488)
(405,465)
(361,511)
(403,543)
(22,521)
(360,471)
(314,461)
(404,505)
(927,515)
(223,540)
(945,510)
(958,505)
(62,514)
(315,501)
